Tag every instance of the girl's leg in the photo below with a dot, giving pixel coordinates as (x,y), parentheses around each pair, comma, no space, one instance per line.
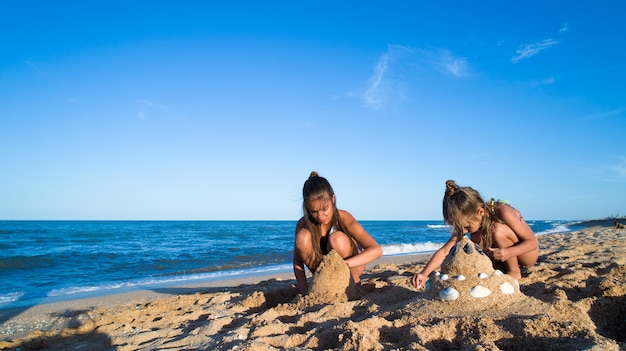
(504,239)
(529,259)
(345,247)
(304,249)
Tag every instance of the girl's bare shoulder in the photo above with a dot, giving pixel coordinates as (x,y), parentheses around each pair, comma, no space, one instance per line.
(300,224)
(345,215)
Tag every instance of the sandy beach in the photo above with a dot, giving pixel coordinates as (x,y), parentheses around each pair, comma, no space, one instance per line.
(573,299)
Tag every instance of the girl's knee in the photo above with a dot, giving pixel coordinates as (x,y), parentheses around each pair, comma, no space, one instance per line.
(304,241)
(504,240)
(341,243)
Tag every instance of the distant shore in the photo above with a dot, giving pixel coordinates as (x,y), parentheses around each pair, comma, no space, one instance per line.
(606,222)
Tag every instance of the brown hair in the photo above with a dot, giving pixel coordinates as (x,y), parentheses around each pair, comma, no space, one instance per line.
(461,204)
(318,188)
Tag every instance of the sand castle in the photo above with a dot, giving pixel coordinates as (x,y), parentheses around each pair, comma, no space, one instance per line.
(332,282)
(467,274)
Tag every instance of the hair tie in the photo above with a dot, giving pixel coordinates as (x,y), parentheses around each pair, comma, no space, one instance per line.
(493,204)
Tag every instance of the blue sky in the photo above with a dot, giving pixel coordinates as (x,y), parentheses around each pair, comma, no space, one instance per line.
(192,110)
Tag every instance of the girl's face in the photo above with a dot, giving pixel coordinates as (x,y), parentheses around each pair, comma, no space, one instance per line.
(321,209)
(473,224)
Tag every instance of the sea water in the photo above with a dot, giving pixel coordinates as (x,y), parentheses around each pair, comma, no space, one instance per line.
(46,261)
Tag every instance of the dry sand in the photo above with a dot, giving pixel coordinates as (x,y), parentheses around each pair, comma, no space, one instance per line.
(574,299)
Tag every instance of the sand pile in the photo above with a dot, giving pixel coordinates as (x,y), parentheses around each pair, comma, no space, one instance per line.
(331,283)
(467,275)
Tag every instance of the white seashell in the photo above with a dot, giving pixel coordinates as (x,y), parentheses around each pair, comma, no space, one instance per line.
(507,288)
(444,277)
(482,275)
(479,291)
(449,294)
(497,272)
(437,273)
(460,277)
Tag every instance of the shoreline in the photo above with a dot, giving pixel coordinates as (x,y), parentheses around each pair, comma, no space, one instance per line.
(22,314)
(227,280)
(25,297)
(183,285)
(574,297)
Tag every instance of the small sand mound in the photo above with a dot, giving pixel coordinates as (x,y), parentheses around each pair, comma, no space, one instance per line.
(332,282)
(467,274)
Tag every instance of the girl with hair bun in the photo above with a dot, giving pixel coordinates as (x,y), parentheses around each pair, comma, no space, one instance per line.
(498,228)
(323,228)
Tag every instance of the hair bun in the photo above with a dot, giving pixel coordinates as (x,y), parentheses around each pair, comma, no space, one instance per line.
(451,187)
(314,174)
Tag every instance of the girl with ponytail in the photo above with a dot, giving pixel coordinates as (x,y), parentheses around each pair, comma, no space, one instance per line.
(323,228)
(498,228)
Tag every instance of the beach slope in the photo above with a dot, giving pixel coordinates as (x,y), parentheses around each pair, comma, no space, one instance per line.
(573,299)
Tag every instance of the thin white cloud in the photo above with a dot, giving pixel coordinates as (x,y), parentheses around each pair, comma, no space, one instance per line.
(375,93)
(620,168)
(390,71)
(146,107)
(611,113)
(529,50)
(564,28)
(452,65)
(542,82)
(36,67)
(605,172)
(148,103)
(380,85)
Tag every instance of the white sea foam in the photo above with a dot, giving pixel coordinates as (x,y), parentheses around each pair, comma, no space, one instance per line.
(10,297)
(169,281)
(438,226)
(557,229)
(405,249)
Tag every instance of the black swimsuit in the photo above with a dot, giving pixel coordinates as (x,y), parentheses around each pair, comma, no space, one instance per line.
(324,240)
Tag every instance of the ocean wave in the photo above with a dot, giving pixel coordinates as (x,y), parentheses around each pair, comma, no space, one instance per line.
(438,226)
(557,229)
(10,297)
(169,281)
(403,249)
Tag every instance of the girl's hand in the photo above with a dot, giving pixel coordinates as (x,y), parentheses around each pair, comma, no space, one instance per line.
(500,255)
(418,280)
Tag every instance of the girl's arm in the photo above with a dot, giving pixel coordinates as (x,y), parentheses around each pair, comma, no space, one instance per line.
(371,251)
(298,271)
(527,241)
(298,265)
(435,261)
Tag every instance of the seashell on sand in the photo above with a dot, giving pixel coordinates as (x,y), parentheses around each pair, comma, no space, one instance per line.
(479,291)
(468,267)
(449,294)
(507,288)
